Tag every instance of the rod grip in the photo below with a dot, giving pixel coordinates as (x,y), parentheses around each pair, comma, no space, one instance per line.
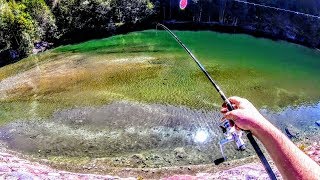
(229,105)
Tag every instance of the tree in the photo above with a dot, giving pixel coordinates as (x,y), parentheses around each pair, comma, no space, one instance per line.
(79,20)
(132,11)
(18,27)
(42,15)
(23,23)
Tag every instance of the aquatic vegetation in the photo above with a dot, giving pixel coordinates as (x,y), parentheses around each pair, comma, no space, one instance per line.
(149,66)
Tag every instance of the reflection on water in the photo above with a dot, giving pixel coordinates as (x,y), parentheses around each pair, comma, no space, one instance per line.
(201,136)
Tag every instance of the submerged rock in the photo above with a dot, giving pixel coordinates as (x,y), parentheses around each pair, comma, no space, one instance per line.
(138,160)
(180,153)
(289,134)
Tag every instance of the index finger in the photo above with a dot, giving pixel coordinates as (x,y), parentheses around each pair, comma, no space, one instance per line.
(236,100)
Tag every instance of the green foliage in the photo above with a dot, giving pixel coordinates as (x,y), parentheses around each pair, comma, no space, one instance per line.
(80,15)
(87,17)
(44,18)
(24,22)
(18,26)
(132,11)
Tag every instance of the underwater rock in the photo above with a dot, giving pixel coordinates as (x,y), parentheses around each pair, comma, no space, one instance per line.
(180,152)
(137,159)
(289,134)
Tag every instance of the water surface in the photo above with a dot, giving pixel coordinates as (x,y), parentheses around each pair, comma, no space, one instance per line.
(138,100)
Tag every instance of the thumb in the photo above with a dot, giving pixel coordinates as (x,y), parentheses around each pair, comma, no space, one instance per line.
(232,115)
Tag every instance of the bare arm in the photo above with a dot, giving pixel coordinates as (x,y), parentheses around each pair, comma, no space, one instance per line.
(289,159)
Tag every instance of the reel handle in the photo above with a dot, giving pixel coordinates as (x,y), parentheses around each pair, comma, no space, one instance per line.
(255,146)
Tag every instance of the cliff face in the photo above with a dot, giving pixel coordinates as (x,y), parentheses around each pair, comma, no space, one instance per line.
(277,20)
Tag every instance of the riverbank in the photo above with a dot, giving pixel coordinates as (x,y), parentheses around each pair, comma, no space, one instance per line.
(14,166)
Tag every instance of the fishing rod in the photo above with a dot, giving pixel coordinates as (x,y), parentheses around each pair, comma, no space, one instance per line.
(236,136)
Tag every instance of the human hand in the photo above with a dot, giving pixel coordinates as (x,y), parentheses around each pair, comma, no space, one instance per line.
(245,115)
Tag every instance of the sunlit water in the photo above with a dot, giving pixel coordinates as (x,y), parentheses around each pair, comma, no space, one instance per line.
(138,100)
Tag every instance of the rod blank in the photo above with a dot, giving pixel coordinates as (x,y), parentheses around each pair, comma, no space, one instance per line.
(228,103)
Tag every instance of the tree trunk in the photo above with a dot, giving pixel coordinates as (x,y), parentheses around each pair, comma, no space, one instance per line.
(222,11)
(170,10)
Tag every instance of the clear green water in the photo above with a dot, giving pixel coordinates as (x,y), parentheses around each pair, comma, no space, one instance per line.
(88,96)
(269,73)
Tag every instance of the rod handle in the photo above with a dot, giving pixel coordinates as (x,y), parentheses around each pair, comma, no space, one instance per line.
(228,103)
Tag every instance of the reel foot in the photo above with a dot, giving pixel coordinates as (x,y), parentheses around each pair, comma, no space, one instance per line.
(219,161)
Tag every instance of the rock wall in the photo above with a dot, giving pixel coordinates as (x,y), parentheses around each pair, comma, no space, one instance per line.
(281,22)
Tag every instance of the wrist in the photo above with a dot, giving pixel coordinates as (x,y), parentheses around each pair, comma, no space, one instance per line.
(262,127)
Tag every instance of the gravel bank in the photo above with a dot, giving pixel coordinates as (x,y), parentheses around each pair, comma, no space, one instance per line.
(13,167)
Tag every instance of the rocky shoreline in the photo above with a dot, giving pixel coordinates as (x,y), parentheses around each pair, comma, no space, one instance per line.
(15,166)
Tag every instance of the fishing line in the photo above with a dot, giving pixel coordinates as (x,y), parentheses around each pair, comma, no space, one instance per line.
(279,9)
(184,3)
(227,102)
